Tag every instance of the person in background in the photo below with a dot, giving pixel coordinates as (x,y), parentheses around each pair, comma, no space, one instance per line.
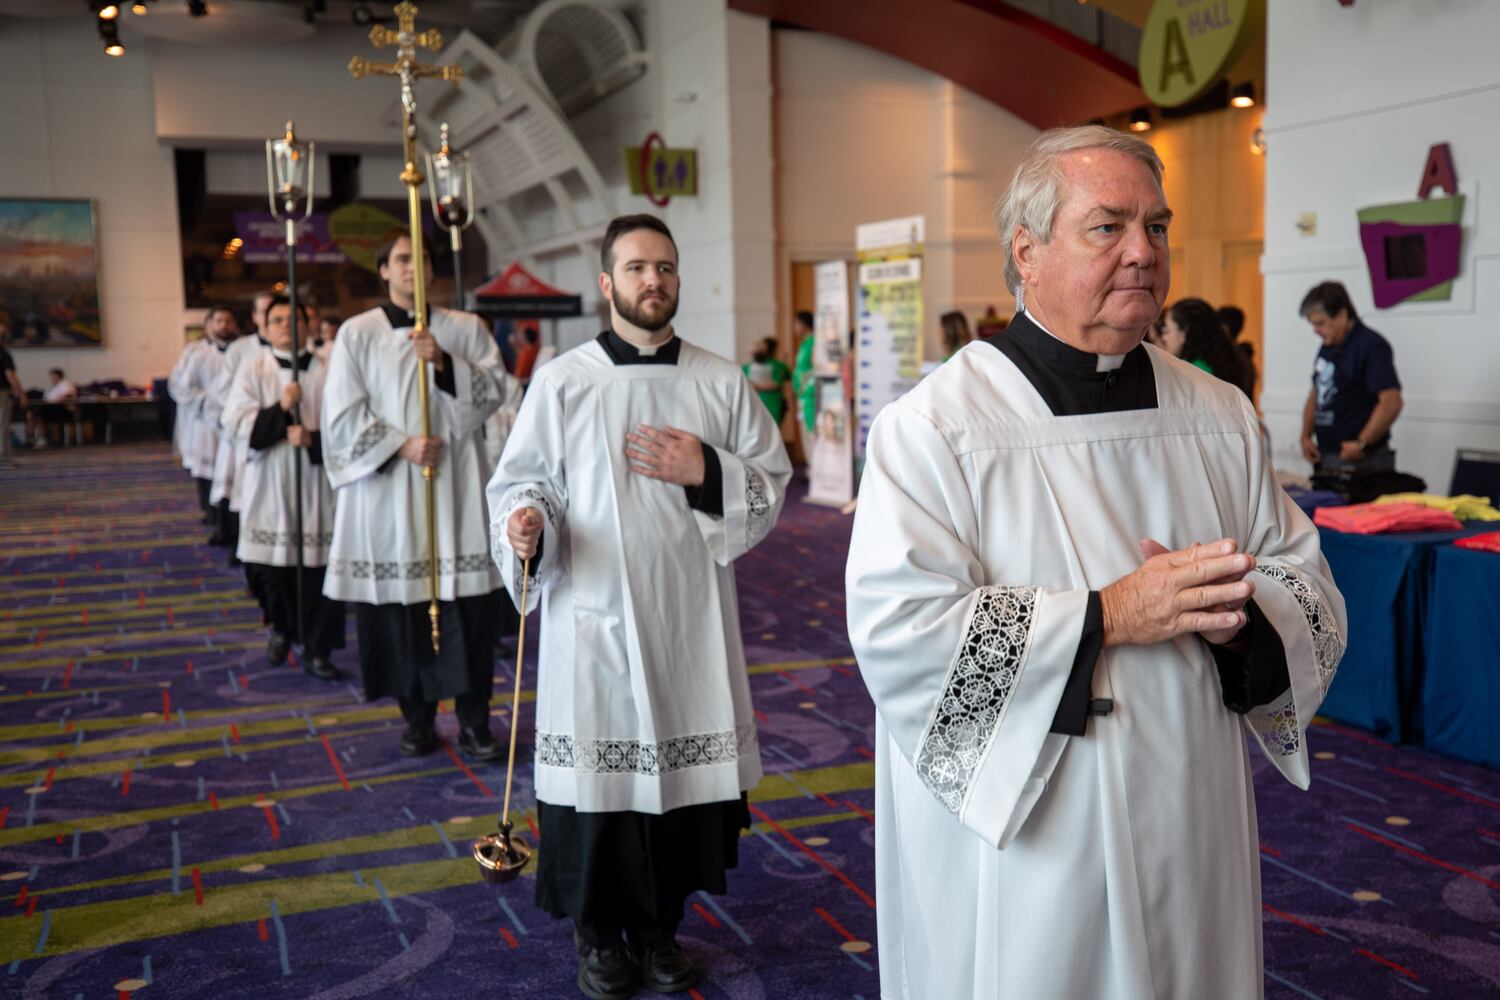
(526,344)
(804,384)
(955,333)
(1232,319)
(10,386)
(1193,325)
(1356,395)
(54,409)
(769,376)
(328,328)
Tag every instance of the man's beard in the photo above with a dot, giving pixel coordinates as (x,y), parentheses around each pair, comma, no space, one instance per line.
(633,313)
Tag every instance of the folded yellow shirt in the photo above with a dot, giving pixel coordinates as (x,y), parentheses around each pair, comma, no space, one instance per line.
(1463,507)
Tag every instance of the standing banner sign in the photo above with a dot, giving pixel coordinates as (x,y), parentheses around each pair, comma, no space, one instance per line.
(830,455)
(890,316)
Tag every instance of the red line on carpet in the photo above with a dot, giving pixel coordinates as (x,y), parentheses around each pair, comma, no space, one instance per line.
(465,769)
(47,781)
(828,919)
(166,706)
(4,812)
(762,716)
(536,835)
(695,995)
(271,819)
(1425,857)
(234,733)
(260,927)
(1467,796)
(1482,831)
(796,683)
(1273,852)
(21,896)
(198,884)
(868,899)
(31,907)
(708,918)
(125,782)
(68,673)
(338,768)
(1387,963)
(828,800)
(865,752)
(510,938)
(861,812)
(840,668)
(213,801)
(1320,932)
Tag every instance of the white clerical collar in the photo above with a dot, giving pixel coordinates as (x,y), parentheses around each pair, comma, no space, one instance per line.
(1102,362)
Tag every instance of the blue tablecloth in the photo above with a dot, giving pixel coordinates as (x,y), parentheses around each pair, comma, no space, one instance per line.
(1385,580)
(1461,690)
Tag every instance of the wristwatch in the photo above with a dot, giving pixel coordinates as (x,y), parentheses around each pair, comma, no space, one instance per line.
(1360,445)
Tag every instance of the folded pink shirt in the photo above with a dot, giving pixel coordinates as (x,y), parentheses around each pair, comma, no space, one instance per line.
(1487,542)
(1379,518)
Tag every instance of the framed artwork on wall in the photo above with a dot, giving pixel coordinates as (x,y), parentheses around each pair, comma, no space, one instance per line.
(49,272)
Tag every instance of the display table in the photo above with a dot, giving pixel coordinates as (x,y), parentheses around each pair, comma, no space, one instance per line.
(1461,689)
(1385,580)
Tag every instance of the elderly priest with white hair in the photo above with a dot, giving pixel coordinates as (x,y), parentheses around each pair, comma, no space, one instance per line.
(1074,587)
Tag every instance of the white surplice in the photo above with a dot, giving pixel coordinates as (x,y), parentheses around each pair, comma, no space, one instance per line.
(371,405)
(229,461)
(1013,862)
(643,701)
(268,519)
(189,385)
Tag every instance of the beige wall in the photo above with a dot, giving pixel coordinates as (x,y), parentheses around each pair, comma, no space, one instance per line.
(82,126)
(860,137)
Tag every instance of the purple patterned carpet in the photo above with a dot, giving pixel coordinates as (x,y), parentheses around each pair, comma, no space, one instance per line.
(178,819)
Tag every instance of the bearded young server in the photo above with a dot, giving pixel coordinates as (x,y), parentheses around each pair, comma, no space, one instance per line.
(1064,805)
(639,469)
(277,422)
(375,453)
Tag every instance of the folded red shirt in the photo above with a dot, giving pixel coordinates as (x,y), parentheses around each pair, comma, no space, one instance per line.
(1488,542)
(1380,518)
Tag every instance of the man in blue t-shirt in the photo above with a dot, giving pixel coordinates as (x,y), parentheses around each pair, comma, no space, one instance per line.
(1355,395)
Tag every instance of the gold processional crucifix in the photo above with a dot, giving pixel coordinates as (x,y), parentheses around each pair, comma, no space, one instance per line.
(406,68)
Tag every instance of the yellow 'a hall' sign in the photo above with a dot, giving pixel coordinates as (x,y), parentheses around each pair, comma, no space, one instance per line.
(1188,44)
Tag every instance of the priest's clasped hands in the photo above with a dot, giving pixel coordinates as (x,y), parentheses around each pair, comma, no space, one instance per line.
(1198,589)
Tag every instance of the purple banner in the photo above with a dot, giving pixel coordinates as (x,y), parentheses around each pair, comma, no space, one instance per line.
(265,239)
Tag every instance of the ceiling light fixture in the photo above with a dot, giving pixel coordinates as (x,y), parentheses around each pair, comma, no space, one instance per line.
(1140,120)
(1243,95)
(197,8)
(138,8)
(109,12)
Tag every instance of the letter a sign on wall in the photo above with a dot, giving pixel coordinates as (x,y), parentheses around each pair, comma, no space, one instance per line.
(1188,44)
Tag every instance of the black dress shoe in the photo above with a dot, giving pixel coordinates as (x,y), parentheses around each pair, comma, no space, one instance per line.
(478,745)
(665,968)
(418,741)
(278,647)
(606,974)
(319,667)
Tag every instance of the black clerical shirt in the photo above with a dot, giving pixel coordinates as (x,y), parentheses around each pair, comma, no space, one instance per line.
(1076,383)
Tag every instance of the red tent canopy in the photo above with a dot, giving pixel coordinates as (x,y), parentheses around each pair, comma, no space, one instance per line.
(516,293)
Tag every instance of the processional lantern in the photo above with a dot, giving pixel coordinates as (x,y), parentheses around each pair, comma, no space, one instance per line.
(451,188)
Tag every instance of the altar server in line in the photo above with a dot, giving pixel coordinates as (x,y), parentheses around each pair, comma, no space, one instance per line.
(228,461)
(375,453)
(278,423)
(196,432)
(639,469)
(1074,587)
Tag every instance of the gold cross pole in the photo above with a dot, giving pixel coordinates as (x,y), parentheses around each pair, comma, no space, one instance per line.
(407,40)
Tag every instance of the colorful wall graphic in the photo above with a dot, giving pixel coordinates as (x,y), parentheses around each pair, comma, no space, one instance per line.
(1413,248)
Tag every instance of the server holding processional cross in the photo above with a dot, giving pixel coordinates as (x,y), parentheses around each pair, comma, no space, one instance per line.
(404,452)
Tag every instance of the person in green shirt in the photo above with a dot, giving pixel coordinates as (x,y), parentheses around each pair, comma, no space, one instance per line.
(768,376)
(804,385)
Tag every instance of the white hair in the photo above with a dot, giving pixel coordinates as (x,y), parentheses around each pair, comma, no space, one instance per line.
(1035,192)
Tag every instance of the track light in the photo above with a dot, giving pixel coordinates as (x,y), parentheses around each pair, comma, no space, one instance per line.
(197,8)
(1243,95)
(109,32)
(109,11)
(138,8)
(1140,120)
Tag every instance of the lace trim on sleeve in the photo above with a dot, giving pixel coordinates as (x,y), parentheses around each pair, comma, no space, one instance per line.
(367,440)
(757,507)
(974,695)
(1328,643)
(1276,725)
